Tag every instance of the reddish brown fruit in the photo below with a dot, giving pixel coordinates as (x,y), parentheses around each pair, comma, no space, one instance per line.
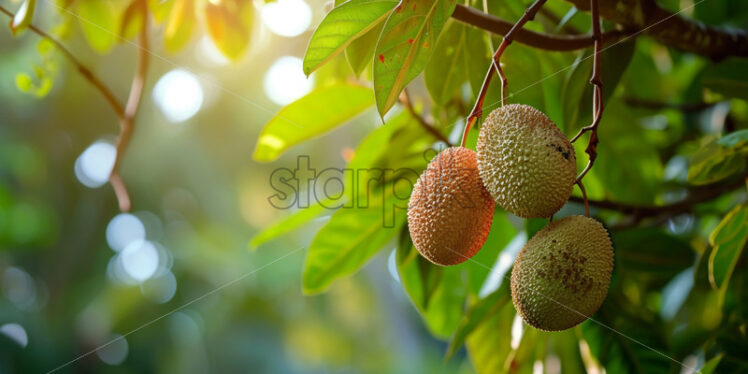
(450,211)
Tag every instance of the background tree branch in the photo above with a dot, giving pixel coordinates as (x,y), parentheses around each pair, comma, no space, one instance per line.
(634,17)
(547,42)
(672,29)
(697,195)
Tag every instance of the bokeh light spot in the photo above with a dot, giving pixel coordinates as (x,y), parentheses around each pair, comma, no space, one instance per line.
(140,260)
(16,333)
(124,229)
(179,95)
(114,351)
(160,289)
(93,166)
(285,81)
(287,17)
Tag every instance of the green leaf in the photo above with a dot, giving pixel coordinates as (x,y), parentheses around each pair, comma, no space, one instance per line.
(342,26)
(160,9)
(737,140)
(24,83)
(99,22)
(288,224)
(446,70)
(478,313)
(624,343)
(23,16)
(577,98)
(229,25)
(710,366)
(361,51)
(312,115)
(353,236)
(651,254)
(132,18)
(728,241)
(366,154)
(489,345)
(405,46)
(729,78)
(437,292)
(180,25)
(712,163)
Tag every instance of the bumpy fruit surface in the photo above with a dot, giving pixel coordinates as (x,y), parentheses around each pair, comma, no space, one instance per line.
(450,212)
(527,164)
(562,274)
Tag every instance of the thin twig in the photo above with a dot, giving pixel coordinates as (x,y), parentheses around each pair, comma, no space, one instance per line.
(477,111)
(82,69)
(408,104)
(548,42)
(127,124)
(597,97)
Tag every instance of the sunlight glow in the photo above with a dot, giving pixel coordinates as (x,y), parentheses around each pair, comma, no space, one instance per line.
(285,81)
(518,329)
(93,166)
(179,95)
(287,17)
(124,229)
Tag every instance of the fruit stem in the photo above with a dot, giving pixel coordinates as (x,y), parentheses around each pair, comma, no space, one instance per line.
(597,99)
(584,197)
(477,111)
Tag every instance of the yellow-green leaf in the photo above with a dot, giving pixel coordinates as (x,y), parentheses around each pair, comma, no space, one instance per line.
(406,44)
(341,26)
(180,25)
(313,114)
(353,236)
(132,18)
(361,51)
(99,23)
(728,241)
(229,24)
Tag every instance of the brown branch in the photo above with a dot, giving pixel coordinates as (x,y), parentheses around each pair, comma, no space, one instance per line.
(672,29)
(658,105)
(477,111)
(544,41)
(696,196)
(82,69)
(597,96)
(407,103)
(127,123)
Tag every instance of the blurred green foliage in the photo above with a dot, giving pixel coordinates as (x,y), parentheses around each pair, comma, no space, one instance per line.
(675,126)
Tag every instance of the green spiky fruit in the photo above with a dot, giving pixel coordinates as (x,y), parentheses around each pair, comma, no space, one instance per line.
(561,276)
(527,164)
(450,212)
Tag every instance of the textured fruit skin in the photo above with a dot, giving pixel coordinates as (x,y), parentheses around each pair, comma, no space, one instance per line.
(450,212)
(527,164)
(562,274)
